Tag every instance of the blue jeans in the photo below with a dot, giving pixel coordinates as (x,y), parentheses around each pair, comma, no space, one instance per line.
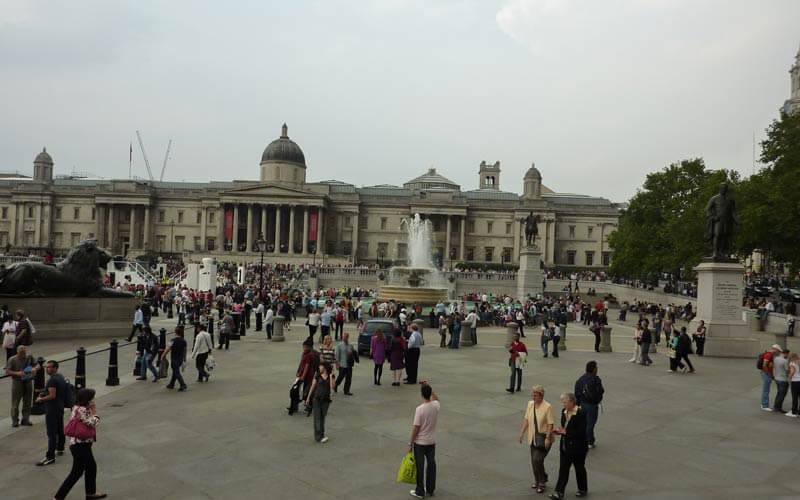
(544,346)
(147,362)
(455,338)
(591,419)
(766,383)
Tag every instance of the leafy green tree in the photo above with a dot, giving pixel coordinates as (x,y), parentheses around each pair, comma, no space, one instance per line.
(664,227)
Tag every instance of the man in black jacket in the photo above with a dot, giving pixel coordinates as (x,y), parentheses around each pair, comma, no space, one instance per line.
(646,340)
(589,393)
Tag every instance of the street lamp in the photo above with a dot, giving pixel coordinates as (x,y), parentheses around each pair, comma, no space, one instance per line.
(262,245)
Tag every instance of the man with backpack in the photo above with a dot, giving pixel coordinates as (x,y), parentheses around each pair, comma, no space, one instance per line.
(338,321)
(589,394)
(56,396)
(765,364)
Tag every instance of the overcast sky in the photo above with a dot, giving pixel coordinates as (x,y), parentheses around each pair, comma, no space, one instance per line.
(597,93)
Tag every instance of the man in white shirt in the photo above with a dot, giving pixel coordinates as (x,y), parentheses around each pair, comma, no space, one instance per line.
(200,353)
(423,441)
(269,322)
(412,355)
(472,321)
(259,315)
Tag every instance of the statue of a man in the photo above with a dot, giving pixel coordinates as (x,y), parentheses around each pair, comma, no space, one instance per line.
(531,229)
(720,220)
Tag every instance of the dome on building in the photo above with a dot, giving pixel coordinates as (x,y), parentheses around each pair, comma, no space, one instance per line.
(432,180)
(533,173)
(284,150)
(43,157)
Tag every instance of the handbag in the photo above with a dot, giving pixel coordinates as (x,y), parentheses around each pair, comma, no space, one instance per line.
(408,470)
(538,437)
(75,428)
(211,363)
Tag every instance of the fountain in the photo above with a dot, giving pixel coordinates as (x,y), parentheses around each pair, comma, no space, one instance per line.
(419,282)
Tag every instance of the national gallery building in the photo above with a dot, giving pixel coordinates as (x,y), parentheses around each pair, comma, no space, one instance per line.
(329,222)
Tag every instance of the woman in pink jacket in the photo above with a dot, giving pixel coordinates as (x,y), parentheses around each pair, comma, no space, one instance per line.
(377,351)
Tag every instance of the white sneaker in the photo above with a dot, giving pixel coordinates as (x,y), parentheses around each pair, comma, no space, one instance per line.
(414,494)
(791,415)
(324,440)
(763,408)
(633,360)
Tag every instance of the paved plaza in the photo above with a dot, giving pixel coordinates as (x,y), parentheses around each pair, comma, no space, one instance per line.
(660,435)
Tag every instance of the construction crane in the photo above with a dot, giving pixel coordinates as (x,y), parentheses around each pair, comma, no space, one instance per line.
(144,154)
(166,157)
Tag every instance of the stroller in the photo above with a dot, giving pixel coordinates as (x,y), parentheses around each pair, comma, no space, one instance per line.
(294,396)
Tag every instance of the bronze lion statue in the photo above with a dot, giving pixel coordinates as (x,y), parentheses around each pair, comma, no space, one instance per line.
(79,275)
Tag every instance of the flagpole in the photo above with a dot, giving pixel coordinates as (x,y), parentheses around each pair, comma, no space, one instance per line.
(130,159)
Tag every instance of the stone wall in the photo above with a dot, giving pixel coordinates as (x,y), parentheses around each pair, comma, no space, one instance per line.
(74,317)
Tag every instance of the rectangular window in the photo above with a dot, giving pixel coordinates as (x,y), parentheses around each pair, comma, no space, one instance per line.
(210,243)
(383,250)
(437,226)
(30,212)
(383,223)
(76,213)
(161,215)
(28,238)
(508,228)
(402,251)
(589,258)
(94,213)
(507,255)
(363,249)
(362,222)
(179,243)
(470,226)
(489,254)
(571,231)
(211,217)
(5,213)
(489,225)
(58,240)
(606,258)
(180,216)
(74,239)
(58,213)
(126,216)
(161,242)
(347,222)
(91,236)
(589,231)
(571,257)
(347,248)
(3,238)
(199,217)
(470,254)
(197,246)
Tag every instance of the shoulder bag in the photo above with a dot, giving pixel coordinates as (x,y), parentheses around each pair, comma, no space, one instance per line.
(538,437)
(75,428)
(211,363)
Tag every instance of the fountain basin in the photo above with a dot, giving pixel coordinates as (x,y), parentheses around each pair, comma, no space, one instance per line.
(412,295)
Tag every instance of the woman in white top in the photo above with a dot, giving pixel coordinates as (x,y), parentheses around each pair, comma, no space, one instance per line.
(200,353)
(313,323)
(637,350)
(794,381)
(538,424)
(9,336)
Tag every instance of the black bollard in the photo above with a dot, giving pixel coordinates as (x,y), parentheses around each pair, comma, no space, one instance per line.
(80,369)
(38,388)
(242,327)
(113,373)
(162,342)
(237,318)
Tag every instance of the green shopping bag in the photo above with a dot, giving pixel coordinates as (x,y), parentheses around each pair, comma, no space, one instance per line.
(408,470)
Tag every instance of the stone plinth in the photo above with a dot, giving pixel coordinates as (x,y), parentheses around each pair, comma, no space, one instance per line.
(605,339)
(466,335)
(529,276)
(719,304)
(76,317)
(277,329)
(511,329)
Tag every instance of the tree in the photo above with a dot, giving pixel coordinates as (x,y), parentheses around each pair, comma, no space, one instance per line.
(663,230)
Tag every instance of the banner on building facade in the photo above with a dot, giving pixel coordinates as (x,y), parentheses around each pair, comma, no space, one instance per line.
(229,224)
(312,227)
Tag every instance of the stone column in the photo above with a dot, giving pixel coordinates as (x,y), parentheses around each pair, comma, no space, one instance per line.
(47,226)
(12,235)
(339,232)
(277,229)
(235,236)
(463,231)
(291,229)
(447,243)
(146,236)
(263,221)
(220,246)
(516,229)
(132,240)
(111,224)
(354,238)
(98,217)
(319,230)
(203,234)
(551,236)
(37,233)
(249,227)
(277,326)
(305,230)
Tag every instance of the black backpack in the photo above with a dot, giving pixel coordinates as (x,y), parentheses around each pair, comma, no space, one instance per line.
(70,394)
(315,361)
(760,362)
(590,391)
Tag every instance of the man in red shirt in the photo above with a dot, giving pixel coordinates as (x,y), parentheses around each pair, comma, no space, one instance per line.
(305,371)
(766,361)
(514,350)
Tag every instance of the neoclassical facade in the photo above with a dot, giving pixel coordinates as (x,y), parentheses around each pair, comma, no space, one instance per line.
(792,105)
(303,222)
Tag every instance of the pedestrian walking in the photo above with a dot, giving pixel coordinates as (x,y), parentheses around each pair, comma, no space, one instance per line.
(538,424)
(423,441)
(794,381)
(780,373)
(147,344)
(306,368)
(637,347)
(413,354)
(544,339)
(472,321)
(572,447)
(346,356)
(259,315)
(177,357)
(203,346)
(589,394)
(442,331)
(645,340)
(377,351)
(313,322)
(517,357)
(321,391)
(138,322)
(55,392)
(684,350)
(9,337)
(555,337)
(21,368)
(269,322)
(397,356)
(226,329)
(699,338)
(84,420)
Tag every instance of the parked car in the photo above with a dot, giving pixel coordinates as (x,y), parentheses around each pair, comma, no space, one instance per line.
(790,294)
(758,290)
(388,325)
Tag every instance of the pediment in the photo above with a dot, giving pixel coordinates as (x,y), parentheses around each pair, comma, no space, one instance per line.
(269,190)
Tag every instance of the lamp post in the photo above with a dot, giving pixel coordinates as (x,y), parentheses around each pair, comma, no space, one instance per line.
(262,245)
